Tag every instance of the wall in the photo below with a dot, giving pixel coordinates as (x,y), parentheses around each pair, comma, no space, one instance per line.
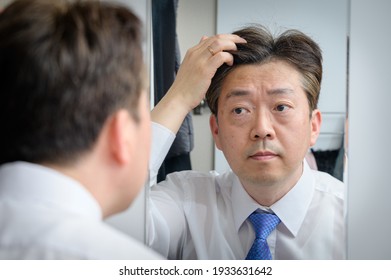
(3,3)
(369,193)
(194,20)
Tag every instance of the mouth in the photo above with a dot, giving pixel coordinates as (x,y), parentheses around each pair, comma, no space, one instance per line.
(263,155)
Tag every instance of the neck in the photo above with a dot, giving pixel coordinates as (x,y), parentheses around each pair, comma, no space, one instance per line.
(268,193)
(88,177)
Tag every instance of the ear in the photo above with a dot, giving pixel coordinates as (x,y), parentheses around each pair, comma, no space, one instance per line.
(214,128)
(316,121)
(121,141)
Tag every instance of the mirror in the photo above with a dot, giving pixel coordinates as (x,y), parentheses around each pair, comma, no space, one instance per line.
(313,18)
(327,22)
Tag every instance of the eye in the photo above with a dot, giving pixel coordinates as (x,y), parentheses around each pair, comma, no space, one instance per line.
(238,111)
(282,107)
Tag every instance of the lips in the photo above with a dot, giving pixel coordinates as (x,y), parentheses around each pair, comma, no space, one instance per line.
(263,155)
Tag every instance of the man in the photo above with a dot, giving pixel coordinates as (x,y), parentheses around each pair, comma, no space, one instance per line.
(76,129)
(264,118)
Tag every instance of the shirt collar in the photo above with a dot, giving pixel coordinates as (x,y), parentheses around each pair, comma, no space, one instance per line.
(33,182)
(291,208)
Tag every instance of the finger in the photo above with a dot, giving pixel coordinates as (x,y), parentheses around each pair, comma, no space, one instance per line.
(213,46)
(220,38)
(233,37)
(203,38)
(220,42)
(220,58)
(219,46)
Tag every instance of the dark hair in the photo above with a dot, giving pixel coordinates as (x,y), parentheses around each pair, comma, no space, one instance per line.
(292,46)
(65,69)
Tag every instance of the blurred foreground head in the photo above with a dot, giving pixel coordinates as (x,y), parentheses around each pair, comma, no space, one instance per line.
(66,67)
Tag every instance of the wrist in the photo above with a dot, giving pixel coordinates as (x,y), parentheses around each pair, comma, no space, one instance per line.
(170,112)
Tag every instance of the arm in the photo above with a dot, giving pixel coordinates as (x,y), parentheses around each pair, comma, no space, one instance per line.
(193,79)
(166,221)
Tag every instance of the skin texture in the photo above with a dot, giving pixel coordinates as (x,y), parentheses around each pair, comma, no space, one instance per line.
(264,128)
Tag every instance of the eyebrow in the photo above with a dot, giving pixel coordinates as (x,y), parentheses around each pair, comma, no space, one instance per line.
(281,91)
(239,92)
(275,91)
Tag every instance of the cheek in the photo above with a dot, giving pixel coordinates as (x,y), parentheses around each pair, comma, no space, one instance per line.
(295,133)
(231,140)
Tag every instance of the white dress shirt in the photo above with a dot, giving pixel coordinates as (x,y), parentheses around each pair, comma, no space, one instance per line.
(195,215)
(46,215)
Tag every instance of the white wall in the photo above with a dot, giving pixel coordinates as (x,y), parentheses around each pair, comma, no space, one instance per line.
(194,20)
(369,193)
(3,3)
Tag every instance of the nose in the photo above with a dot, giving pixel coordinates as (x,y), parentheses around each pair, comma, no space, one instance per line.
(262,127)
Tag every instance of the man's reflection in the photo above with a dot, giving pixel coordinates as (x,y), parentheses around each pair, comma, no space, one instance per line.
(264,118)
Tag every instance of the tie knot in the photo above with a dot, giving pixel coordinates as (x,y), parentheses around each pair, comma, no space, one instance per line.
(264,224)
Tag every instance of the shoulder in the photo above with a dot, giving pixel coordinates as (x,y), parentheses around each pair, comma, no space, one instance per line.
(190,184)
(111,243)
(89,239)
(72,238)
(326,183)
(199,179)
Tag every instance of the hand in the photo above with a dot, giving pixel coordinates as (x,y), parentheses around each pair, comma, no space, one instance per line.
(194,77)
(199,66)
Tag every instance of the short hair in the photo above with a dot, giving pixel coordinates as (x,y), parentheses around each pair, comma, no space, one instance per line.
(291,46)
(66,67)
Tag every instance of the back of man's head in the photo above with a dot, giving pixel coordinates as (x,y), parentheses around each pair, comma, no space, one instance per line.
(65,68)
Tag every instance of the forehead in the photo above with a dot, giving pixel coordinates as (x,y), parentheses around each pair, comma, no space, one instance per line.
(265,77)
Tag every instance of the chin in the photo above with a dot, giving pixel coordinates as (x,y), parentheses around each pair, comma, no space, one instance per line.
(264,179)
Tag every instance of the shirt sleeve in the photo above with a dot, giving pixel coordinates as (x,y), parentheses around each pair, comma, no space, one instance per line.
(166,222)
(162,139)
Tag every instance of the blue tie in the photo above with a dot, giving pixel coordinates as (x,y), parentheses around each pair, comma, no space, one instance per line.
(264,224)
